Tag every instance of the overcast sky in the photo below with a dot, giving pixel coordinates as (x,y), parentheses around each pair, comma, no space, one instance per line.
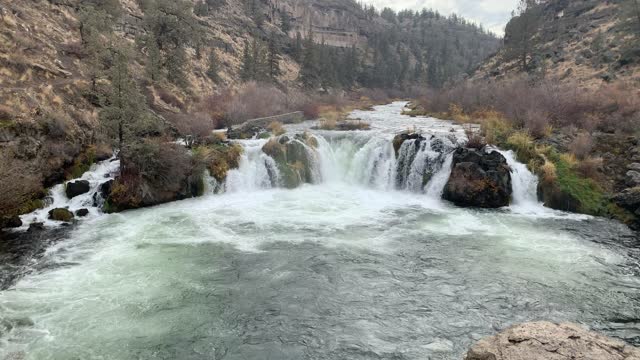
(493,14)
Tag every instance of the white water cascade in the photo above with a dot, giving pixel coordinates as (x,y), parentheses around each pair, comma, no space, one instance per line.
(257,170)
(99,174)
(421,166)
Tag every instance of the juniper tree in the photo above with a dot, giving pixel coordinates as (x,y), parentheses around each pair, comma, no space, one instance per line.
(285,22)
(154,60)
(309,71)
(213,69)
(125,113)
(273,59)
(246,73)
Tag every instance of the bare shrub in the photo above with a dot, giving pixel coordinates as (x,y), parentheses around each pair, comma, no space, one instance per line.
(217,106)
(170,99)
(590,167)
(582,145)
(192,127)
(162,165)
(476,141)
(311,110)
(256,101)
(74,48)
(276,128)
(538,123)
(536,106)
(377,95)
(549,172)
(57,125)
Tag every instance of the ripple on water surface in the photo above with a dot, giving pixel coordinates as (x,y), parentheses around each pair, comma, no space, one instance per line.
(321,272)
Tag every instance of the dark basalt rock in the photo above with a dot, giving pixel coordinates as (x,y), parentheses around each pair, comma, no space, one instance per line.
(11,222)
(77,188)
(82,212)
(400,139)
(479,179)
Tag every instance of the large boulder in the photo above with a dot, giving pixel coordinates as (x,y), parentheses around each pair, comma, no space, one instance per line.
(293,158)
(548,341)
(629,199)
(479,179)
(10,222)
(173,175)
(77,188)
(60,214)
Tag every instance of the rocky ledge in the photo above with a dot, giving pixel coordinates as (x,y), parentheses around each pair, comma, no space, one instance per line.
(548,341)
(479,178)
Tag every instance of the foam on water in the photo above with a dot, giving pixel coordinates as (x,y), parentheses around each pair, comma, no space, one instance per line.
(96,176)
(367,262)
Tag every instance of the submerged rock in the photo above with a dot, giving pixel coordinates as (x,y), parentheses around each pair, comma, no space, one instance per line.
(77,188)
(548,341)
(60,214)
(479,179)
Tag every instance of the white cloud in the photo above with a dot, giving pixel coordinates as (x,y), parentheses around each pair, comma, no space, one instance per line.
(492,14)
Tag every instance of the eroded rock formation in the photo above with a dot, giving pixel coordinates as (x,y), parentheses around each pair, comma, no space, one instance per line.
(548,341)
(479,179)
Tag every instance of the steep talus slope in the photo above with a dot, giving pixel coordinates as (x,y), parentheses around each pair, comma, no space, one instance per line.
(55,58)
(586,41)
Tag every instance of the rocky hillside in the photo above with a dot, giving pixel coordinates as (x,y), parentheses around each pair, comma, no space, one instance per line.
(57,59)
(587,41)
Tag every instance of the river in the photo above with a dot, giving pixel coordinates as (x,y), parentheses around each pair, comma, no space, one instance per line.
(363,264)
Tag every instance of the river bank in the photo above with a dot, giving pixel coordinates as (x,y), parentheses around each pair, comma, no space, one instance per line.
(349,265)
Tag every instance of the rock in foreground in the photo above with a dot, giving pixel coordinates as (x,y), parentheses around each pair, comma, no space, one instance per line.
(60,214)
(479,179)
(548,341)
(77,188)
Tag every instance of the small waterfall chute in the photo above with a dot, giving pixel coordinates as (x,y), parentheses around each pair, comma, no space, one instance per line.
(257,170)
(99,174)
(525,186)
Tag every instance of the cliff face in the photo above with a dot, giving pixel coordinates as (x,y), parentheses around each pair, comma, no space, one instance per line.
(51,91)
(336,23)
(587,41)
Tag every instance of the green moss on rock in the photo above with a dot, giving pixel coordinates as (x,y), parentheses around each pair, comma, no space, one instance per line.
(60,214)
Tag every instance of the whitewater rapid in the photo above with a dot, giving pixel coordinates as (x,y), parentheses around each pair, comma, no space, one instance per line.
(365,262)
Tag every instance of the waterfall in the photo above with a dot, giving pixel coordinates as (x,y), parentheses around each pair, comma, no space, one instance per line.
(419,160)
(92,200)
(525,185)
(435,187)
(256,171)
(422,165)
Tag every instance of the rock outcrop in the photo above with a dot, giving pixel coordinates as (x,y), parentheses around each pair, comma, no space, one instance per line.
(76,188)
(479,179)
(10,222)
(82,212)
(548,341)
(60,214)
(293,158)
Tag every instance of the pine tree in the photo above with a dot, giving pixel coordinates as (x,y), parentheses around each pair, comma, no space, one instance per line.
(247,71)
(309,72)
(175,66)
(297,51)
(260,61)
(213,69)
(285,22)
(273,59)
(125,110)
(154,59)
(201,9)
